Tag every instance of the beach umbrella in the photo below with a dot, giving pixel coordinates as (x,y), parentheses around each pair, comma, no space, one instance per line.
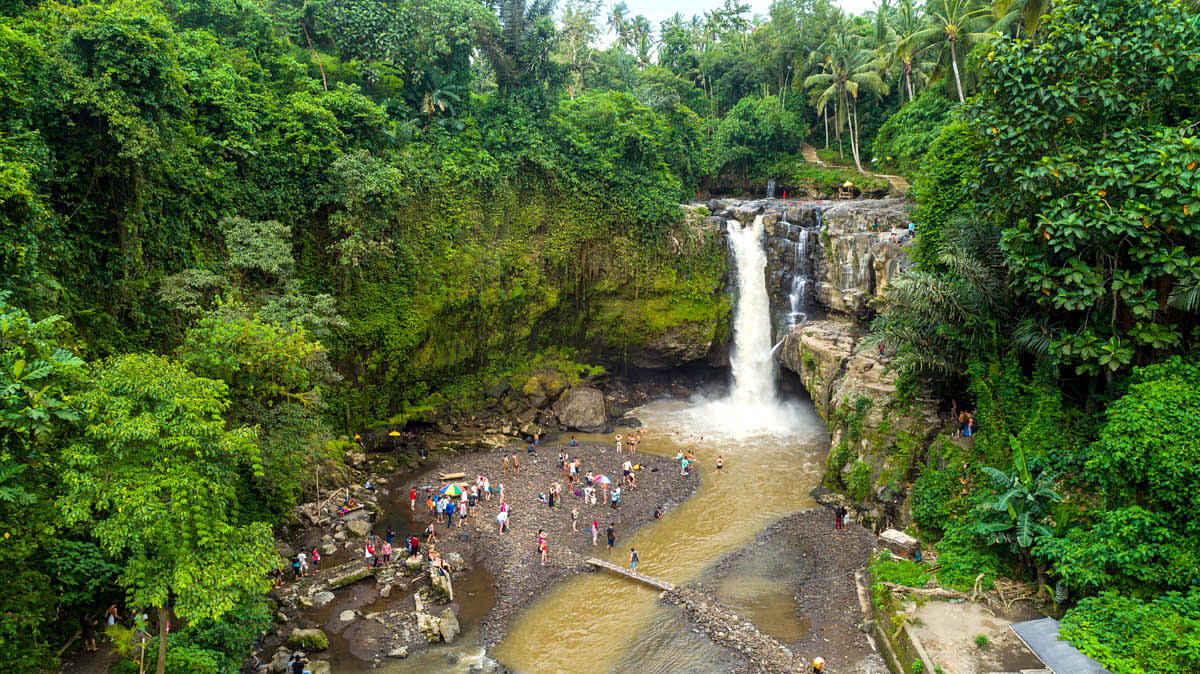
(603,479)
(452,490)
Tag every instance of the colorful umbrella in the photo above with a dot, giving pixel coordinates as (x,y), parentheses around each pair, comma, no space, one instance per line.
(394,434)
(451,490)
(603,479)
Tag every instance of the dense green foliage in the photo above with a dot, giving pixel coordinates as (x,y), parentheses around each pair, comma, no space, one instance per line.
(1054,296)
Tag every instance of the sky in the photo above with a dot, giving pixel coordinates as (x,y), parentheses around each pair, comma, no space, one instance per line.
(659,10)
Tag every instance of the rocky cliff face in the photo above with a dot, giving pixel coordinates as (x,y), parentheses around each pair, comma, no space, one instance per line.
(824,256)
(859,254)
(876,437)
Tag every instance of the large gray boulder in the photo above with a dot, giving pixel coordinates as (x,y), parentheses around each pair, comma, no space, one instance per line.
(449,626)
(308,640)
(358,527)
(322,599)
(583,409)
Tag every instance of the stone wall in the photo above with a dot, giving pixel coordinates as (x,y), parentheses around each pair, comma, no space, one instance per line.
(876,437)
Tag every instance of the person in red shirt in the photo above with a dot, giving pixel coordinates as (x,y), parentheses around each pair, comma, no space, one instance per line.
(412,499)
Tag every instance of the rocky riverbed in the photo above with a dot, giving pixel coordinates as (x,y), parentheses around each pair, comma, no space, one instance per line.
(818,567)
(369,614)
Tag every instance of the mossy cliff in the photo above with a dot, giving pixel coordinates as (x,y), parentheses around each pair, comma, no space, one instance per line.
(498,287)
(877,435)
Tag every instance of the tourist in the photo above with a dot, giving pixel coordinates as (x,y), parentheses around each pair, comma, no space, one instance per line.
(110,616)
(537,440)
(531,449)
(543,548)
(487,489)
(449,514)
(276,574)
(616,498)
(626,471)
(819,663)
(430,502)
(633,480)
(633,559)
(316,560)
(683,465)
(390,535)
(412,499)
(618,443)
(472,500)
(589,478)
(612,535)
(839,518)
(550,499)
(501,520)
(516,464)
(297,664)
(296,569)
(574,519)
(589,494)
(87,631)
(658,512)
(369,487)
(557,488)
(506,463)
(720,464)
(573,443)
(430,534)
(463,513)
(369,554)
(595,532)
(562,461)
(387,552)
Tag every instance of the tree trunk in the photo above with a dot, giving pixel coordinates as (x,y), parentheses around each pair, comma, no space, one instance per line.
(321,66)
(908,79)
(825,116)
(957,80)
(161,666)
(854,136)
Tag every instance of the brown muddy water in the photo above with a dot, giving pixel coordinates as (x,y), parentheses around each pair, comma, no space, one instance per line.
(605,623)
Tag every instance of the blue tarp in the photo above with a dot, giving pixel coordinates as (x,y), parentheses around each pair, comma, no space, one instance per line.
(1041,636)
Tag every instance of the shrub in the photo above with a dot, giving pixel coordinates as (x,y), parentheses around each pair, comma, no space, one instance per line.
(1130,635)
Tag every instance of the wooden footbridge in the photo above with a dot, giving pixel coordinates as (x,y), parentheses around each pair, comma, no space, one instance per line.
(640,577)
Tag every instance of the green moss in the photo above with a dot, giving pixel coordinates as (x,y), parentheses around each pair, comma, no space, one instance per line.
(858,484)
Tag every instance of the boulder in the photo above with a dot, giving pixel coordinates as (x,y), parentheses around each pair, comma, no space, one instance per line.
(279,661)
(349,576)
(322,599)
(355,458)
(385,591)
(899,542)
(328,549)
(401,653)
(448,625)
(413,563)
(286,551)
(455,561)
(308,640)
(430,627)
(442,588)
(358,527)
(362,514)
(582,408)
(319,667)
(346,616)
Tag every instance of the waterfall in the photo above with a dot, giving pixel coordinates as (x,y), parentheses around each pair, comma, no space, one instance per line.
(798,297)
(771,188)
(751,361)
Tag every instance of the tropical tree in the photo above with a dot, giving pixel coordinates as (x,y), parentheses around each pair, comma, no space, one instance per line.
(851,70)
(153,472)
(520,51)
(618,24)
(1016,515)
(642,36)
(906,48)
(578,31)
(952,23)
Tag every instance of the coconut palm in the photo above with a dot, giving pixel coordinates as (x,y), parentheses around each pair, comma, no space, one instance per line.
(520,51)
(906,24)
(618,24)
(850,69)
(952,22)
(1012,17)
(641,35)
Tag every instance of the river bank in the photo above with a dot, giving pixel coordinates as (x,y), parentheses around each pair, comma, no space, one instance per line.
(377,615)
(809,606)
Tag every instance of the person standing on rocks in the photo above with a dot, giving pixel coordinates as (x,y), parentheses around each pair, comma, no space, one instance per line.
(430,534)
(501,491)
(506,463)
(390,535)
(618,443)
(633,559)
(612,535)
(303,564)
(487,489)
(616,498)
(595,532)
(626,471)
(316,560)
(589,494)
(449,514)
(412,499)
(387,552)
(574,519)
(516,464)
(839,518)
(501,520)
(544,549)
(720,464)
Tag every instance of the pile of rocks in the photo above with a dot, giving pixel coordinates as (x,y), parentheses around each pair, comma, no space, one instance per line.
(762,653)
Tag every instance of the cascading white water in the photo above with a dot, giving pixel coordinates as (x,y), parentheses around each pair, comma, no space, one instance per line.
(751,361)
(798,297)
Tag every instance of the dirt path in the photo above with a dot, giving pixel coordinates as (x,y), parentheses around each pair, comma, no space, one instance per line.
(948,632)
(898,183)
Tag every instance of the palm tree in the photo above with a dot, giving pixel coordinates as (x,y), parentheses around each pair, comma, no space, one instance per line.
(520,52)
(850,69)
(906,24)
(641,35)
(951,22)
(1009,17)
(618,24)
